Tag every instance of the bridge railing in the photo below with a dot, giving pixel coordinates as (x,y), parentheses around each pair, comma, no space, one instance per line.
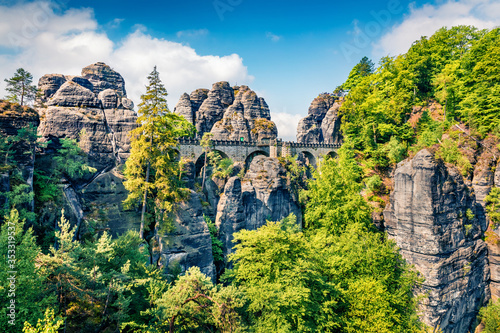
(311,145)
(253,143)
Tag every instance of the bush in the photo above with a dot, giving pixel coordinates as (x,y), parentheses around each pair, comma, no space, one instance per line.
(449,152)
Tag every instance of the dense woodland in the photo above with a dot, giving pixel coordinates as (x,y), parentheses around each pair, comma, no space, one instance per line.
(335,273)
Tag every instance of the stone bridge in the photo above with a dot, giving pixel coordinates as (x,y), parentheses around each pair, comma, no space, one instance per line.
(245,151)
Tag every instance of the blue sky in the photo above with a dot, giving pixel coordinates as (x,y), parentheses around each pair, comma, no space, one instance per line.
(287,51)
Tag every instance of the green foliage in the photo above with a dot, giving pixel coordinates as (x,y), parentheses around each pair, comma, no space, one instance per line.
(19,253)
(273,267)
(217,244)
(152,170)
(19,196)
(194,304)
(490,317)
(223,168)
(49,324)
(374,281)
(373,183)
(363,68)
(71,161)
(493,206)
(396,151)
(333,197)
(355,281)
(479,84)
(449,152)
(20,88)
(103,283)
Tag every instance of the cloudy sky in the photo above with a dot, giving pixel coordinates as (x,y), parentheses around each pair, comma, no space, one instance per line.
(288,51)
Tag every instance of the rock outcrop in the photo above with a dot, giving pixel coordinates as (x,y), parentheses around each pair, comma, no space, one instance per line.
(230,113)
(322,124)
(190,243)
(94,109)
(262,195)
(94,104)
(433,217)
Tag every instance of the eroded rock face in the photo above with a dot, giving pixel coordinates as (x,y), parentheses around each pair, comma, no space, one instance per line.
(229,113)
(322,124)
(262,195)
(93,109)
(94,104)
(190,244)
(103,77)
(433,217)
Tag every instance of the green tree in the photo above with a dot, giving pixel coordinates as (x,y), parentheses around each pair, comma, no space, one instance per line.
(333,197)
(364,68)
(490,317)
(493,207)
(275,268)
(152,170)
(20,88)
(352,281)
(19,254)
(71,161)
(195,304)
(49,324)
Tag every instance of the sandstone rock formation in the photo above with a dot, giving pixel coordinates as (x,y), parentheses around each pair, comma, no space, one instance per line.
(262,195)
(95,103)
(94,109)
(190,243)
(433,217)
(322,124)
(229,113)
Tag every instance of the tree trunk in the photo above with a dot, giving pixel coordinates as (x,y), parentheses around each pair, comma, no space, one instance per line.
(141,231)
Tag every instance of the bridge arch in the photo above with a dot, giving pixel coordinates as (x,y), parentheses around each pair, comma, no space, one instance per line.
(200,161)
(310,158)
(331,154)
(252,155)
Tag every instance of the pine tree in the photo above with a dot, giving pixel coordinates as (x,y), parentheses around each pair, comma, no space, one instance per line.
(20,88)
(152,169)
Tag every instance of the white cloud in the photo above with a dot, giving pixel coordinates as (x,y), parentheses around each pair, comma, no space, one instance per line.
(192,33)
(41,40)
(425,20)
(287,124)
(181,68)
(273,37)
(115,23)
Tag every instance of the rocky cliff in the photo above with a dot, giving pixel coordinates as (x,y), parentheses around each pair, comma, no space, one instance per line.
(435,220)
(95,104)
(230,113)
(263,194)
(322,124)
